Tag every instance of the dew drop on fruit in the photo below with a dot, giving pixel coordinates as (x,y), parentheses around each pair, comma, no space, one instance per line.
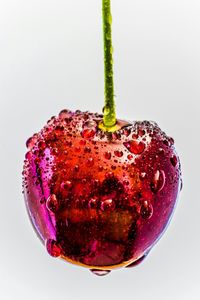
(52,203)
(28,155)
(118,153)
(65,113)
(88,133)
(53,248)
(126,182)
(146,210)
(174,160)
(126,132)
(166,142)
(141,132)
(66,185)
(76,168)
(107,204)
(116,136)
(31,141)
(89,129)
(130,157)
(41,145)
(90,162)
(135,147)
(100,272)
(158,181)
(181,185)
(87,149)
(93,203)
(100,168)
(142,175)
(161,151)
(107,155)
(171,140)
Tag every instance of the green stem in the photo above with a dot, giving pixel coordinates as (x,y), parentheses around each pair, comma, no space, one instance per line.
(109,117)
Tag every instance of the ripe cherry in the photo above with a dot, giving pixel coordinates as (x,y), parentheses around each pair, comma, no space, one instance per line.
(100,191)
(97,200)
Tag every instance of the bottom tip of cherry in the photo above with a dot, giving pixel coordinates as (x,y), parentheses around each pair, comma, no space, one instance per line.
(100,272)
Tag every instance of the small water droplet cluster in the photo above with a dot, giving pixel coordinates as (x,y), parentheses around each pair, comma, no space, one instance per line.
(96,198)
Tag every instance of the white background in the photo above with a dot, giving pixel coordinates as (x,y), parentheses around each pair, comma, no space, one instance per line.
(51,58)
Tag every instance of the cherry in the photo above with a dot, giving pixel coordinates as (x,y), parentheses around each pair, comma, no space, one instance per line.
(97,199)
(100,191)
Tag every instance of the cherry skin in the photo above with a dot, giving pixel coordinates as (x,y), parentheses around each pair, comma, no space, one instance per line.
(100,199)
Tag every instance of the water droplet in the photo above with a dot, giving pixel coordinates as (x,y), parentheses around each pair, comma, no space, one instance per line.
(126,182)
(126,132)
(141,132)
(100,168)
(87,149)
(174,160)
(118,153)
(135,147)
(107,155)
(88,133)
(161,151)
(53,248)
(130,157)
(90,161)
(78,111)
(158,181)
(28,155)
(84,180)
(37,160)
(58,130)
(77,149)
(76,168)
(181,185)
(146,210)
(41,145)
(66,185)
(93,203)
(107,204)
(69,143)
(54,151)
(142,175)
(65,113)
(42,200)
(100,272)
(31,141)
(89,129)
(135,136)
(166,142)
(171,140)
(106,110)
(52,203)
(116,136)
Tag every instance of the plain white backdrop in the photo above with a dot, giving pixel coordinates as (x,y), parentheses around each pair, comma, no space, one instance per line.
(51,58)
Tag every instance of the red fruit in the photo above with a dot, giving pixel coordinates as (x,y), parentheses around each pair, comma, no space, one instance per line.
(100,199)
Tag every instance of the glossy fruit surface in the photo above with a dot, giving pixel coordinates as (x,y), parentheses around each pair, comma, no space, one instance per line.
(100,199)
